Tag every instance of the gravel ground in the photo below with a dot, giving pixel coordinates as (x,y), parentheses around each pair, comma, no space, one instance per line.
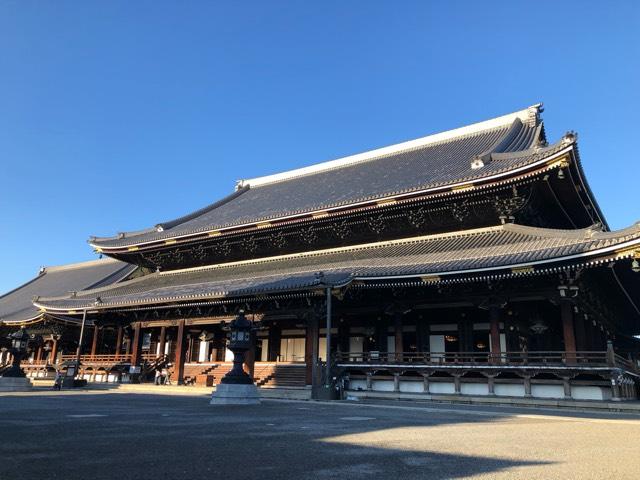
(111,435)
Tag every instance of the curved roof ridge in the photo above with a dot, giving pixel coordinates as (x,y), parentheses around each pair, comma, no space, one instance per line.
(529,116)
(580,233)
(132,233)
(197,213)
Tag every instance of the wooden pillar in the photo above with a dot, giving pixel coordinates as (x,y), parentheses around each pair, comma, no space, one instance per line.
(189,349)
(465,336)
(566,315)
(180,354)
(119,342)
(250,357)
(381,335)
(162,341)
(54,351)
(343,336)
(94,343)
(494,329)
(135,345)
(422,335)
(311,348)
(581,336)
(397,330)
(275,336)
(39,354)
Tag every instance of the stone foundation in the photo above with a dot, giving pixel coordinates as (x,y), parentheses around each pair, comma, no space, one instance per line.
(15,384)
(235,394)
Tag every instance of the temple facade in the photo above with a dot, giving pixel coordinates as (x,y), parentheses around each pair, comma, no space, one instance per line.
(470,262)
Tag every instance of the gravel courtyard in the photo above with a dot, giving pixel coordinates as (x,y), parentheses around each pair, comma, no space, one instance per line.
(116,435)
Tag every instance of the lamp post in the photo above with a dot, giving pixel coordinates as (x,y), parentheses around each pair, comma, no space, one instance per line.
(19,342)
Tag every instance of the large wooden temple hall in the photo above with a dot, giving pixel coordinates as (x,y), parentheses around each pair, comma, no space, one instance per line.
(474,261)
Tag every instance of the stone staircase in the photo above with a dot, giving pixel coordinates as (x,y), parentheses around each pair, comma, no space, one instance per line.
(273,376)
(191,372)
(218,370)
(267,375)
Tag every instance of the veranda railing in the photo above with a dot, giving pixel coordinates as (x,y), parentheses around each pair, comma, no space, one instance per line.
(549,358)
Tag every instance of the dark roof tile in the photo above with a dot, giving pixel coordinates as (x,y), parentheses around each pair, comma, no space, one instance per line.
(17,306)
(496,247)
(414,166)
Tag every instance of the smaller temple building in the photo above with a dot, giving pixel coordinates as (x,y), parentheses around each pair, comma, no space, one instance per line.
(54,338)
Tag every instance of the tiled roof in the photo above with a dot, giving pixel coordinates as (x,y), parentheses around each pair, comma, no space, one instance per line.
(464,252)
(17,305)
(503,144)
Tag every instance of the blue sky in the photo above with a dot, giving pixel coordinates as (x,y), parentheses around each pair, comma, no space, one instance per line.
(118,115)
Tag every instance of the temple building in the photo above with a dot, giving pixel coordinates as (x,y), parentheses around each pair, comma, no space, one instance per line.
(470,262)
(55,337)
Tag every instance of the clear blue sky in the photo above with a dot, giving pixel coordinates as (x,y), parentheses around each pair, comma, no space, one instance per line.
(118,115)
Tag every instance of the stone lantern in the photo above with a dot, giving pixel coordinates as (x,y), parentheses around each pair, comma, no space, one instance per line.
(237,387)
(14,379)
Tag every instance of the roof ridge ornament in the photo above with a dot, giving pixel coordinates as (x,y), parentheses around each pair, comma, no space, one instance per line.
(477,162)
(569,138)
(534,112)
(592,230)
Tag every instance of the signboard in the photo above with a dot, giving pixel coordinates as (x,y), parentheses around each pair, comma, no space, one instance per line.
(134,369)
